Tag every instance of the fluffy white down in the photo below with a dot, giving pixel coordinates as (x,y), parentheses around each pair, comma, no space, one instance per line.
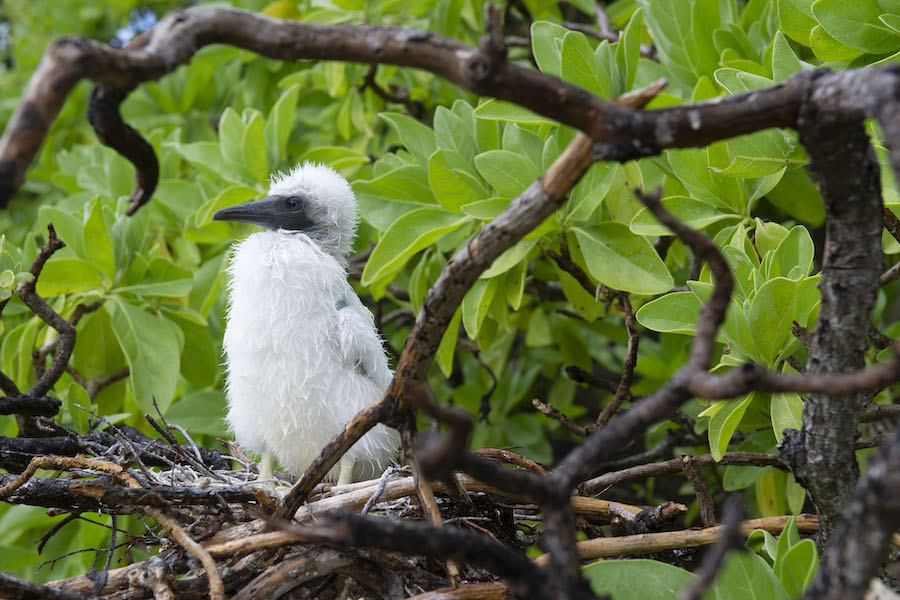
(303,354)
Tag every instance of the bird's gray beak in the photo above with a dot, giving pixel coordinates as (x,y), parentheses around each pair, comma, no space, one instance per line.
(259,212)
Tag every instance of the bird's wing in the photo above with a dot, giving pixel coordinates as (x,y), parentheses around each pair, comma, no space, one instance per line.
(357,339)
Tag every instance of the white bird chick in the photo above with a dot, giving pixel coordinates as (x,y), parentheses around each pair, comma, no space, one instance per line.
(303,355)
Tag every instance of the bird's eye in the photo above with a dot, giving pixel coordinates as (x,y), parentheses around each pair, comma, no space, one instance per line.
(294,204)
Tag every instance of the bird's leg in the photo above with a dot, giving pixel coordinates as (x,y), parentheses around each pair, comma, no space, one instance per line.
(346,471)
(266,467)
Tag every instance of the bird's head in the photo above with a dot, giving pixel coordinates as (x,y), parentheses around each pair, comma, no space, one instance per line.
(312,199)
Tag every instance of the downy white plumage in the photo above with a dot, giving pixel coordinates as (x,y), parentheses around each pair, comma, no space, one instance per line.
(302,352)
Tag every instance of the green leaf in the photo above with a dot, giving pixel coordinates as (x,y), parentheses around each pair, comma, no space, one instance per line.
(724,422)
(786,409)
(590,191)
(452,133)
(771,315)
(622,260)
(673,313)
(254,145)
(200,412)
(336,157)
(798,196)
(486,210)
(798,567)
(508,172)
(231,134)
(476,303)
(67,275)
(796,249)
(231,195)
(796,20)
(498,110)
(152,350)
(638,579)
(694,213)
(546,44)
(691,167)
(510,258)
(579,66)
(451,186)
(75,394)
(388,197)
(856,24)
(768,236)
(163,278)
(628,51)
(406,236)
(670,27)
(827,48)
(416,137)
(747,576)
(279,124)
(98,247)
(784,62)
(444,356)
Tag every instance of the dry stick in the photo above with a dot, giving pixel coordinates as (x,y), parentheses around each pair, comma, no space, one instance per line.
(623,391)
(523,214)
(645,543)
(889,275)
(216,587)
(704,500)
(474,591)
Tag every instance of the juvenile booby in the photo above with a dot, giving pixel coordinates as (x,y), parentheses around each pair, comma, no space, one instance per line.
(302,353)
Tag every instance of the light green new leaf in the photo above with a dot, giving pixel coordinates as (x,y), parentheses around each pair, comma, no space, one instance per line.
(452,133)
(768,235)
(670,27)
(795,250)
(508,172)
(673,313)
(151,347)
(786,409)
(279,125)
(694,213)
(638,579)
(856,24)
(724,422)
(623,261)
(410,233)
(417,138)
